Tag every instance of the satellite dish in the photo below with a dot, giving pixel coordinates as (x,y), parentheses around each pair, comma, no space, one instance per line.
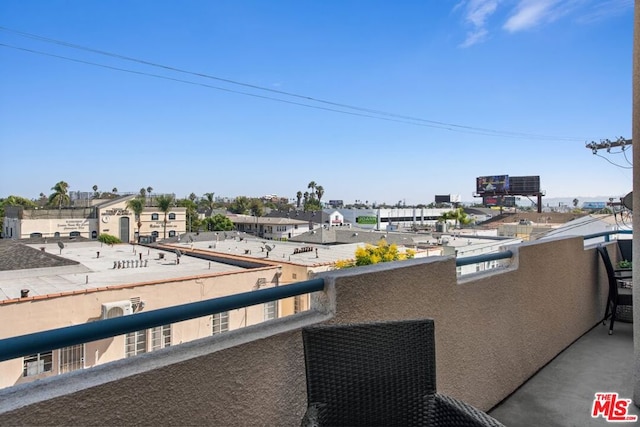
(178,253)
(627,201)
(269,248)
(190,239)
(61,245)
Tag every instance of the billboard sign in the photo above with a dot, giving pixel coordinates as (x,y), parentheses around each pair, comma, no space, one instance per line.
(443,198)
(366,220)
(496,184)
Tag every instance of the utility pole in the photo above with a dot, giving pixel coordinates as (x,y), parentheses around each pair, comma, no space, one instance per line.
(607,144)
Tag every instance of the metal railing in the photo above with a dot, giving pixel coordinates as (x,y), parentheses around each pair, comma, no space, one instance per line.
(40,342)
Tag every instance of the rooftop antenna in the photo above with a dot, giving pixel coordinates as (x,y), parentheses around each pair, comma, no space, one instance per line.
(61,246)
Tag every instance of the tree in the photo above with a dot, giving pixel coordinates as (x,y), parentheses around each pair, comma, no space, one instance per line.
(575,203)
(299,197)
(95,192)
(218,222)
(192,212)
(15,201)
(165,202)
(257,207)
(208,202)
(114,190)
(458,215)
(312,185)
(370,254)
(60,195)
(149,190)
(240,205)
(319,193)
(193,197)
(143,193)
(137,206)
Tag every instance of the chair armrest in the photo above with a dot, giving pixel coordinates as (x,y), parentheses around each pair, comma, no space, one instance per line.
(448,411)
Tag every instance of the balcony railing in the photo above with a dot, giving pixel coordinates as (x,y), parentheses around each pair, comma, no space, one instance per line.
(492,334)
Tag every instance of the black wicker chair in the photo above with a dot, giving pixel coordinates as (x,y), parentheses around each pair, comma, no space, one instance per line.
(379,374)
(617,297)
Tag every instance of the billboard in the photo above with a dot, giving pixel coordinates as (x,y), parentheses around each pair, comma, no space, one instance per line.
(525,185)
(336,203)
(443,198)
(496,184)
(506,201)
(594,205)
(366,220)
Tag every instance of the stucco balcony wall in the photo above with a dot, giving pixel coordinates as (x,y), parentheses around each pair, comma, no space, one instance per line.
(494,330)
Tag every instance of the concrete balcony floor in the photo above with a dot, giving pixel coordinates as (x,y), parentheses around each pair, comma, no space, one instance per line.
(562,393)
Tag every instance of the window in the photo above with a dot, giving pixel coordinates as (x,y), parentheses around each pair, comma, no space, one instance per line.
(155,217)
(74,234)
(172,233)
(160,337)
(297,304)
(35,235)
(37,364)
(56,234)
(270,310)
(220,322)
(135,343)
(172,216)
(71,358)
(155,234)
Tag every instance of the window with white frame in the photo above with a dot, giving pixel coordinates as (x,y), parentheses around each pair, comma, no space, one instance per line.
(135,343)
(71,358)
(36,364)
(160,337)
(220,322)
(172,216)
(270,310)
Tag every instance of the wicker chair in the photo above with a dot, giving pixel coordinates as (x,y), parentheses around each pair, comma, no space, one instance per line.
(379,374)
(617,297)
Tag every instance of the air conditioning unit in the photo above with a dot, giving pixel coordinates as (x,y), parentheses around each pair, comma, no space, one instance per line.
(116,309)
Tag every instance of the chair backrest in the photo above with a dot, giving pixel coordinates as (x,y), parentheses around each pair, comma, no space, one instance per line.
(613,283)
(377,373)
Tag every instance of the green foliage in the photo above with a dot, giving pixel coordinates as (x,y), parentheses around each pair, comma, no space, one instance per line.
(240,205)
(624,264)
(108,239)
(218,222)
(370,254)
(60,196)
(193,222)
(458,215)
(257,207)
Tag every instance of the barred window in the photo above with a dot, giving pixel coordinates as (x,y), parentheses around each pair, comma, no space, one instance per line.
(37,364)
(220,322)
(71,358)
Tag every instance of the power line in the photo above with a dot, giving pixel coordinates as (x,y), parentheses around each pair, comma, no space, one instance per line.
(403,118)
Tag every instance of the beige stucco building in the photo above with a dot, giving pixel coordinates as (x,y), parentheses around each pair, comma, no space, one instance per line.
(110,217)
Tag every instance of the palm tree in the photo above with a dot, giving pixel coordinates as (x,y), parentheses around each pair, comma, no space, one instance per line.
(114,190)
(137,206)
(312,185)
(149,190)
(95,191)
(299,197)
(209,202)
(319,193)
(143,193)
(193,197)
(60,195)
(165,203)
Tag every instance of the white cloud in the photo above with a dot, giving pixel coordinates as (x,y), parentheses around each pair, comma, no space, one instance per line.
(530,13)
(476,14)
(605,9)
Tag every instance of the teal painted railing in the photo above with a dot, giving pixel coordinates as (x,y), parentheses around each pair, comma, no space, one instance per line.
(40,342)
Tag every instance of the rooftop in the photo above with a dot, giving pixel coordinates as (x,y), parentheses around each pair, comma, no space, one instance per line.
(90,265)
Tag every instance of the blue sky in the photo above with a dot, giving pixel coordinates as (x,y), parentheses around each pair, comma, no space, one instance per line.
(447,91)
